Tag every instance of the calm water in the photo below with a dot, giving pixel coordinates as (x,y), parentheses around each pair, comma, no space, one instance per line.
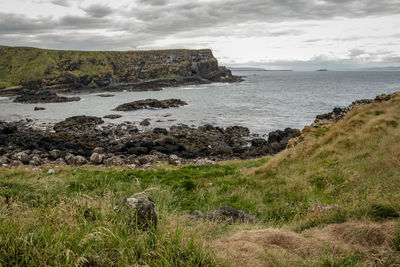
(266,101)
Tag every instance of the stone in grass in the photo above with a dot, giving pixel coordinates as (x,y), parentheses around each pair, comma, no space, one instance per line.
(225,214)
(140,211)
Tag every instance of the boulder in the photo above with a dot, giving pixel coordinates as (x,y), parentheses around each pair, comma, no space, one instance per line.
(174,160)
(16,163)
(22,157)
(145,122)
(4,160)
(99,150)
(35,161)
(160,131)
(55,153)
(97,158)
(205,161)
(77,160)
(259,142)
(38,108)
(60,162)
(139,210)
(114,160)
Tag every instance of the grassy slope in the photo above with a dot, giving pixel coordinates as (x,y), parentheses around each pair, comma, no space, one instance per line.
(19,64)
(67,217)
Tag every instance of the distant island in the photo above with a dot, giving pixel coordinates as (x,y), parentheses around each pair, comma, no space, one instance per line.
(322,70)
(253,69)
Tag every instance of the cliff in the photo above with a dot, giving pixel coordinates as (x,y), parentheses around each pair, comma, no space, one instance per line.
(34,68)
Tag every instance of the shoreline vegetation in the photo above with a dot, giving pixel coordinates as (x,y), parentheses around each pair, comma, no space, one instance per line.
(330,198)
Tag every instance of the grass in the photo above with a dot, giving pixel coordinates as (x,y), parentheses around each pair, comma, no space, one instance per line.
(68,218)
(19,65)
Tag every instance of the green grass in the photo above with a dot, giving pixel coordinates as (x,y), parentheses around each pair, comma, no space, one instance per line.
(19,65)
(68,218)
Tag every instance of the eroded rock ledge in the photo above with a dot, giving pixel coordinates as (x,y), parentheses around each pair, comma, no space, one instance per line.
(34,97)
(151,104)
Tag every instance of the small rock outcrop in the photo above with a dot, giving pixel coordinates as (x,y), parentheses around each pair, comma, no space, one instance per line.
(112,116)
(105,95)
(150,104)
(33,97)
(77,122)
(39,108)
(225,214)
(139,210)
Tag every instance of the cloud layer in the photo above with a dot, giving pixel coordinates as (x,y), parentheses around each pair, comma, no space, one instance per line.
(289,30)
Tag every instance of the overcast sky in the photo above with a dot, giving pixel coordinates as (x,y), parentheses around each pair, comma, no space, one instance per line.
(275,34)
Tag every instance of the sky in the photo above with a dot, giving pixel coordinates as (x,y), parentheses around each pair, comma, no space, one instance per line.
(272,34)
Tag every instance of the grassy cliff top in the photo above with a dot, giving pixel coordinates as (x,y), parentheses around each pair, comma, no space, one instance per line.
(332,200)
(21,64)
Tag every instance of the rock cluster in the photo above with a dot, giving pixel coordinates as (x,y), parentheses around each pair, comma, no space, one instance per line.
(84,139)
(150,104)
(33,97)
(338,113)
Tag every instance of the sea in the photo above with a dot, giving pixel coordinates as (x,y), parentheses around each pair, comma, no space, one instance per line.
(264,102)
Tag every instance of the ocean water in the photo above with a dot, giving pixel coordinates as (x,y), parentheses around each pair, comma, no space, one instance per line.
(265,101)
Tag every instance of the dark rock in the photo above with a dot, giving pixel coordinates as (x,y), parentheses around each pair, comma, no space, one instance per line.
(160,131)
(112,116)
(139,211)
(145,122)
(77,122)
(105,95)
(39,108)
(99,150)
(33,97)
(259,142)
(150,104)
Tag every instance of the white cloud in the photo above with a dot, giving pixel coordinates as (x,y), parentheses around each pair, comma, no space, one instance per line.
(280,31)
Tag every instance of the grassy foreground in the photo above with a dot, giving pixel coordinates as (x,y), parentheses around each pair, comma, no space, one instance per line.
(333,200)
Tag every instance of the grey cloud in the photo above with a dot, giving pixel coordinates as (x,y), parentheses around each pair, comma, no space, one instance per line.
(98,10)
(154,20)
(64,3)
(153,2)
(325,62)
(14,24)
(184,17)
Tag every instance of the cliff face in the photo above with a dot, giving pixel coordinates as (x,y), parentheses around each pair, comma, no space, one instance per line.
(39,68)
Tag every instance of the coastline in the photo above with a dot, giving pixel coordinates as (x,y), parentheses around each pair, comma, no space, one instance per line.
(87,140)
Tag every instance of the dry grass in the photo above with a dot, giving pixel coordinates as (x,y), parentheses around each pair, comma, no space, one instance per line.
(333,200)
(371,242)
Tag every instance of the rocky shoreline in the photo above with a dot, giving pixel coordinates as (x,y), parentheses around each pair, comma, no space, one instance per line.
(87,140)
